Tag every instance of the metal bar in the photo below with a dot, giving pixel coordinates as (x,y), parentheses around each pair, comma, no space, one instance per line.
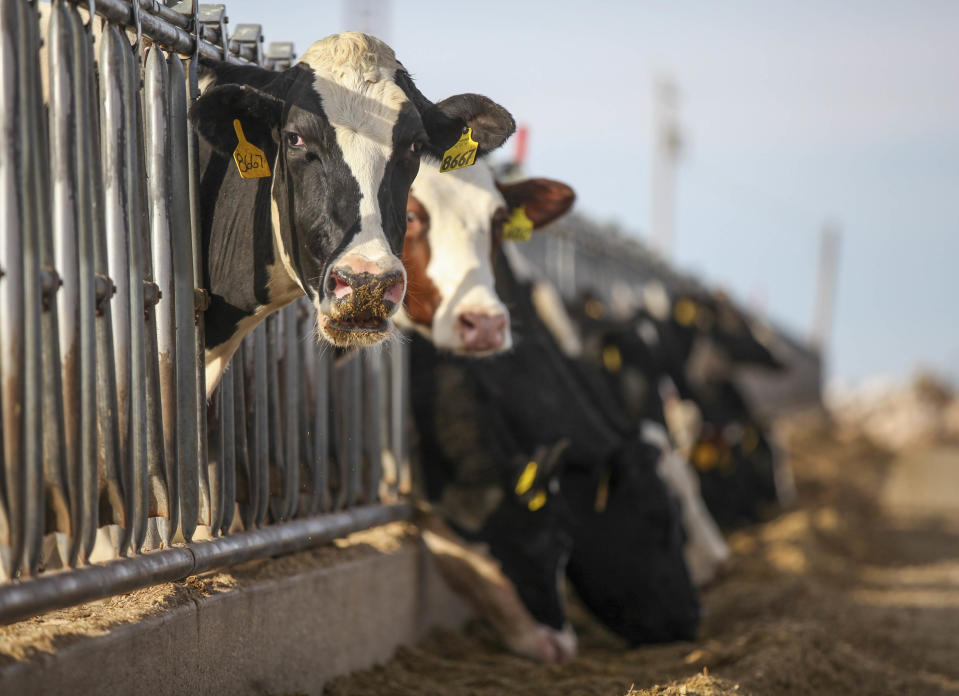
(246,482)
(375,426)
(37,225)
(12,359)
(158,29)
(278,464)
(293,407)
(192,92)
(189,468)
(62,410)
(227,453)
(399,413)
(156,94)
(83,492)
(261,439)
(141,320)
(115,474)
(354,428)
(21,600)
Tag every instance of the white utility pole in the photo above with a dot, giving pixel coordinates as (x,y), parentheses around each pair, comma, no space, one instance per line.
(821,328)
(368,16)
(667,144)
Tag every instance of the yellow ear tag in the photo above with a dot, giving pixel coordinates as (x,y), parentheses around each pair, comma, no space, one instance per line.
(705,456)
(538,501)
(612,359)
(685,312)
(518,228)
(462,154)
(250,160)
(526,479)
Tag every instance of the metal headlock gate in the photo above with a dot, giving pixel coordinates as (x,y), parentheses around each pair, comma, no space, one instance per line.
(116,472)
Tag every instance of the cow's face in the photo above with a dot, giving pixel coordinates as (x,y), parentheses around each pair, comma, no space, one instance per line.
(344,130)
(455,223)
(719,333)
(627,564)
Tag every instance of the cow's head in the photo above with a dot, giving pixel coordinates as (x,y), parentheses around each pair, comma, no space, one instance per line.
(628,565)
(455,224)
(343,131)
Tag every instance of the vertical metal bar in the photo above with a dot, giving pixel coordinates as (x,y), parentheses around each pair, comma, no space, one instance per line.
(189,402)
(317,363)
(37,224)
(62,410)
(246,482)
(399,406)
(374,424)
(191,86)
(261,440)
(83,496)
(140,319)
(227,454)
(12,359)
(278,464)
(293,406)
(157,155)
(113,332)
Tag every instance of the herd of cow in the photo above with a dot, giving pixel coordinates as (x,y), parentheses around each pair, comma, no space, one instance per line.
(551,441)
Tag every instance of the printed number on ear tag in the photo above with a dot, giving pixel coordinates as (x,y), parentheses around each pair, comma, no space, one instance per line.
(518,228)
(250,160)
(462,154)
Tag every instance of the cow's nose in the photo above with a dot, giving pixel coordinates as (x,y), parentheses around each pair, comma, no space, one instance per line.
(365,293)
(482,332)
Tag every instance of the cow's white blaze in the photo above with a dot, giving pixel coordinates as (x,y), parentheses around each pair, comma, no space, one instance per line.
(461,205)
(354,78)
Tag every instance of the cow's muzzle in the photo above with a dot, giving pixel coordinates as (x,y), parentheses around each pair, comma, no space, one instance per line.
(360,305)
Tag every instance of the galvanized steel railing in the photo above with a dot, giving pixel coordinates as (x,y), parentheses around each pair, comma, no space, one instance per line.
(110,449)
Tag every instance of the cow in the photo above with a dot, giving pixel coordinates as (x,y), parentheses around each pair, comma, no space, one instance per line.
(531,397)
(690,342)
(336,141)
(456,306)
(486,489)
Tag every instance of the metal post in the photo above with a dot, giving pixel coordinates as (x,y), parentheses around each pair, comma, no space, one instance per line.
(158,159)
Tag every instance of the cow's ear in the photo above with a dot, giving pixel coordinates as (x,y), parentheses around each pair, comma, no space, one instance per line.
(544,200)
(259,114)
(444,122)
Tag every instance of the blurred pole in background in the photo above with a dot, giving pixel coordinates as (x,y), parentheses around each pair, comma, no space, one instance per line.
(667,144)
(821,328)
(368,16)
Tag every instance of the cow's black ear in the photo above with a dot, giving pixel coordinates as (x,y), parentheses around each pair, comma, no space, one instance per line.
(258,112)
(445,121)
(544,200)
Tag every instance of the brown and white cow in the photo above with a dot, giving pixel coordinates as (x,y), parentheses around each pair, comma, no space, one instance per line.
(454,226)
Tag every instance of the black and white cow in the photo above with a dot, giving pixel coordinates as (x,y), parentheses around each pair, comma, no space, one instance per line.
(529,398)
(342,131)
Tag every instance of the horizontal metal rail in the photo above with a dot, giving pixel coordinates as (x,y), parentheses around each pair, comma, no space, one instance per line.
(19,600)
(163,26)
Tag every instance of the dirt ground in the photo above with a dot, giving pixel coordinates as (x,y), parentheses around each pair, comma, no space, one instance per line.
(855,591)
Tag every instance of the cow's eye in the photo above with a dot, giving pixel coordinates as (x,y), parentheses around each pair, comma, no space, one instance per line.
(410,216)
(416,147)
(294,140)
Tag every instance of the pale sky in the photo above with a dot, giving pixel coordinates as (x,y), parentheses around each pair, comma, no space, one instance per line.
(793,113)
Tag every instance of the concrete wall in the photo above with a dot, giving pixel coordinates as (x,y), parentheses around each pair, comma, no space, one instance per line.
(283,635)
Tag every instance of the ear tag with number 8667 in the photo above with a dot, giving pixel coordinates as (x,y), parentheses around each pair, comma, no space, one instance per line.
(518,227)
(462,154)
(250,160)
